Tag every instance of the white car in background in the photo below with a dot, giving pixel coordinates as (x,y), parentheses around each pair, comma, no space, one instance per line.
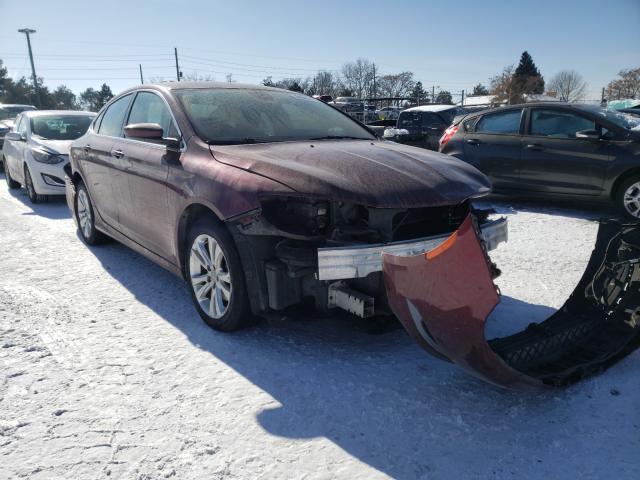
(36,150)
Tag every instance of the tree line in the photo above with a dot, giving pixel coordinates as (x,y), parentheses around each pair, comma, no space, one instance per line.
(22,91)
(359,78)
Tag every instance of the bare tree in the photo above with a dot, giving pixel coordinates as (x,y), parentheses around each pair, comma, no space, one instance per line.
(396,85)
(324,83)
(627,86)
(358,77)
(508,88)
(568,85)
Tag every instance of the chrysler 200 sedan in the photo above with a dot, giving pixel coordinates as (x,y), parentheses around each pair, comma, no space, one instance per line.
(263,198)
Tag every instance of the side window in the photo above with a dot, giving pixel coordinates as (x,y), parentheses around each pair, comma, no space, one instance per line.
(502,122)
(558,123)
(431,119)
(113,118)
(150,108)
(97,121)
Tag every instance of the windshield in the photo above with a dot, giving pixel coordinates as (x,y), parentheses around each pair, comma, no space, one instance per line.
(60,127)
(12,112)
(620,119)
(236,115)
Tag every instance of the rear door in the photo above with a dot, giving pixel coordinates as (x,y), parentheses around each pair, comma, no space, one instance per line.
(145,217)
(555,161)
(493,145)
(102,165)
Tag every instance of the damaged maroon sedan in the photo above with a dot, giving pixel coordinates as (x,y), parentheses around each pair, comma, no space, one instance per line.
(263,199)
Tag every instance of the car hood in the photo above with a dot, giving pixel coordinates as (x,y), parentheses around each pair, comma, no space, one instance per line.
(60,147)
(371,173)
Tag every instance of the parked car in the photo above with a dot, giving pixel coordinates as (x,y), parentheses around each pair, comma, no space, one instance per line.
(37,149)
(324,98)
(426,124)
(388,113)
(8,114)
(349,104)
(553,150)
(263,198)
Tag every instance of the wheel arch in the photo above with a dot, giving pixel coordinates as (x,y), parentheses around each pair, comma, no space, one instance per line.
(623,177)
(191,213)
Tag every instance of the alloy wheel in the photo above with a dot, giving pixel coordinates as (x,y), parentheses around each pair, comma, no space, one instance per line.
(631,200)
(84,213)
(209,275)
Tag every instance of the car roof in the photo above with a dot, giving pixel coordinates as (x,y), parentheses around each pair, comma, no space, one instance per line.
(431,108)
(15,105)
(40,113)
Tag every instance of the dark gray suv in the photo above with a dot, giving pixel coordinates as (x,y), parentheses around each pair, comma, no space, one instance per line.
(553,149)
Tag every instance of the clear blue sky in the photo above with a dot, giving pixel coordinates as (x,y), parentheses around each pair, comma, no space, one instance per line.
(454,45)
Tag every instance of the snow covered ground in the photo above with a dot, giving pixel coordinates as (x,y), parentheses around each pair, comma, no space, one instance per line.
(106,371)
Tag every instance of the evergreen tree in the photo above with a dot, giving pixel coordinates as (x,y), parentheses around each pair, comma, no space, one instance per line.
(104,95)
(480,89)
(527,75)
(268,82)
(444,97)
(295,87)
(418,92)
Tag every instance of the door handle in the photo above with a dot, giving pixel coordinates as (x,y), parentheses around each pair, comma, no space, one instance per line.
(534,146)
(87,148)
(473,141)
(117,153)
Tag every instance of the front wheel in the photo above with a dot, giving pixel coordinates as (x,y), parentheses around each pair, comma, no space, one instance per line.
(86,218)
(11,183)
(628,198)
(215,277)
(31,190)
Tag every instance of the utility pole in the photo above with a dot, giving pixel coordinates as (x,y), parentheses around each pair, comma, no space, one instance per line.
(602,97)
(178,74)
(433,94)
(374,84)
(462,101)
(141,77)
(27,32)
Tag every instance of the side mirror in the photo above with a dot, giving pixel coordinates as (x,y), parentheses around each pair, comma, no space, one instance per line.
(15,136)
(590,134)
(147,131)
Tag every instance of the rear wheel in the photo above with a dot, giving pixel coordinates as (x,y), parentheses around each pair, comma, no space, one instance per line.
(628,198)
(215,277)
(86,218)
(31,190)
(10,181)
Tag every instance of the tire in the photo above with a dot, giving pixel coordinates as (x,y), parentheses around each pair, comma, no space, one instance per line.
(1,162)
(83,210)
(627,198)
(10,181)
(34,197)
(212,268)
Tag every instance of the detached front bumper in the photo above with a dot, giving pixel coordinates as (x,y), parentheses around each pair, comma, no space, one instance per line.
(357,262)
(443,298)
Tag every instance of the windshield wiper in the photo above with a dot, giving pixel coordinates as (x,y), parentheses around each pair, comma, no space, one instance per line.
(338,137)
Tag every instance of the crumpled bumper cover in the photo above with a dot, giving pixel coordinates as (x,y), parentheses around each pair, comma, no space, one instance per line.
(443,298)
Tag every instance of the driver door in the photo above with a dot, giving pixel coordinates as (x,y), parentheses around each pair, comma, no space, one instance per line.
(555,161)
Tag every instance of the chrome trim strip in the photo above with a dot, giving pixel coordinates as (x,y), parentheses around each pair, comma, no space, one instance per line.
(357,262)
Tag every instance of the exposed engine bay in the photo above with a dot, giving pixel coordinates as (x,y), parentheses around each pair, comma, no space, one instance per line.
(296,247)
